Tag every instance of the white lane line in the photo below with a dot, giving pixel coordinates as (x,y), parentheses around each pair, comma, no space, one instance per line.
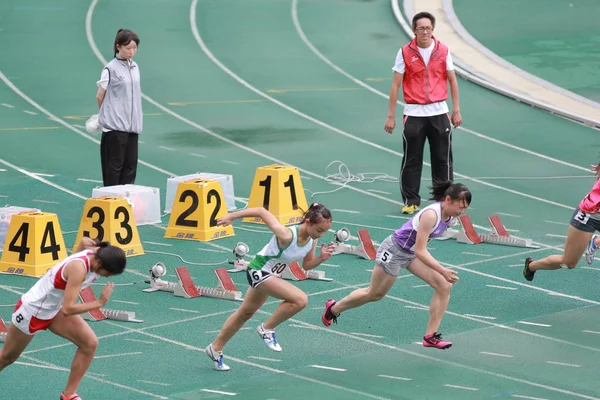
(495,354)
(395,377)
(564,364)
(501,287)
(329,368)
(460,387)
(534,324)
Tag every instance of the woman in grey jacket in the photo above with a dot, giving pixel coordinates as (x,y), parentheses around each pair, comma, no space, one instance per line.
(120,102)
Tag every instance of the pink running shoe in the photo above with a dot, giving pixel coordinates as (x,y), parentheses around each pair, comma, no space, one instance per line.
(435,340)
(71,397)
(328,316)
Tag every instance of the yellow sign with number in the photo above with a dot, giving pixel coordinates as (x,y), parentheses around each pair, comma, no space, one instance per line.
(278,188)
(34,244)
(110,219)
(198,204)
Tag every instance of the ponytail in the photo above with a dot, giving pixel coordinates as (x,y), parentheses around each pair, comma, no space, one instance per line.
(456,191)
(316,213)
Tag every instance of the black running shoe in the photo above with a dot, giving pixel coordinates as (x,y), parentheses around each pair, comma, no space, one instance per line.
(527,273)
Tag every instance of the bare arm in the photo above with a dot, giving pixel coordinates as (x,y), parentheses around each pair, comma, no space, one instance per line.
(75,274)
(284,234)
(390,123)
(86,243)
(100,96)
(596,170)
(456,117)
(426,225)
(311,261)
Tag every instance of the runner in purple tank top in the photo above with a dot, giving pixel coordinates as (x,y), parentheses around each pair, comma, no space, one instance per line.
(407,248)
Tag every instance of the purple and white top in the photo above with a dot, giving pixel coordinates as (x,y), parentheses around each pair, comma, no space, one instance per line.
(406,236)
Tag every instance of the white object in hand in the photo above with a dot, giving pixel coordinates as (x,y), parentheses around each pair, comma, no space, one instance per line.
(92,125)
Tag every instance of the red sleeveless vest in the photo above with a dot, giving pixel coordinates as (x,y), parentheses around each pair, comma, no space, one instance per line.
(425,84)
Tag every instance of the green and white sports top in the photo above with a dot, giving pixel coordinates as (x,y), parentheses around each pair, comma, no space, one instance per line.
(273,259)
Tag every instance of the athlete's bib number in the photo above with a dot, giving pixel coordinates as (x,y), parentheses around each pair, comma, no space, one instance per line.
(582,217)
(256,276)
(384,257)
(278,268)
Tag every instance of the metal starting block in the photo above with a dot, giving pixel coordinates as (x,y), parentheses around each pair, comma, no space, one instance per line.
(293,272)
(3,330)
(87,296)
(185,286)
(467,234)
(364,249)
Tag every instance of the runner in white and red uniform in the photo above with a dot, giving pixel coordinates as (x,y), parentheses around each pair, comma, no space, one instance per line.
(52,304)
(37,308)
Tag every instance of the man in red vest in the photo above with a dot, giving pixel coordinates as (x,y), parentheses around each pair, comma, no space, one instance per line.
(423,68)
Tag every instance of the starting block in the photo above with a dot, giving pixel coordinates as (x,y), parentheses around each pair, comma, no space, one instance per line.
(294,272)
(87,296)
(365,248)
(3,330)
(185,286)
(467,234)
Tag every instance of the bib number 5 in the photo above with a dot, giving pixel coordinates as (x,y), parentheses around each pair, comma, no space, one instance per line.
(384,257)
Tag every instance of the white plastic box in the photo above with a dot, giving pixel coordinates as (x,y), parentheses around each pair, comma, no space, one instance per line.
(145,201)
(6,214)
(226,185)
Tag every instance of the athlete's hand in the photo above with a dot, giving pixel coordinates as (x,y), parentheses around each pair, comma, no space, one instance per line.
(327,252)
(390,124)
(225,221)
(450,275)
(596,170)
(106,292)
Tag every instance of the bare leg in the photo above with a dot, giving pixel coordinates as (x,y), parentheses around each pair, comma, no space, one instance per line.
(381,283)
(16,341)
(441,296)
(294,300)
(252,302)
(575,245)
(76,330)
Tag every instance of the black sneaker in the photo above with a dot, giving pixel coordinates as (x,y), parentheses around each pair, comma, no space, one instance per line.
(527,273)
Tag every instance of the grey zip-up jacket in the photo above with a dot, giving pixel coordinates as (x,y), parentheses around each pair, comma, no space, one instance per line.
(121,109)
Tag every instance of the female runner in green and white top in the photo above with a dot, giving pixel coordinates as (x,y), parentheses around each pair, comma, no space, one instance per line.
(288,244)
